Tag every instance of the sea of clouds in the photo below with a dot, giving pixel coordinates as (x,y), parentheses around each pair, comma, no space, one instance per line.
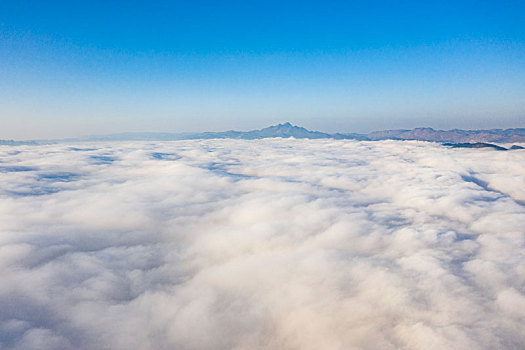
(263,244)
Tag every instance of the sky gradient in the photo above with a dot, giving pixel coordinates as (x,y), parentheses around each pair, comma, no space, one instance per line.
(77,68)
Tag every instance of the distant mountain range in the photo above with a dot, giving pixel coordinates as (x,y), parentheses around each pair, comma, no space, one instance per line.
(282,130)
(286,130)
(455,135)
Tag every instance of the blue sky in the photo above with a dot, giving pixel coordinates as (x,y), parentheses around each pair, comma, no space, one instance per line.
(75,68)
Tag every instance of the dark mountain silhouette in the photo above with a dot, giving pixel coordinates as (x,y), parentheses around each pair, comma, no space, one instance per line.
(478,145)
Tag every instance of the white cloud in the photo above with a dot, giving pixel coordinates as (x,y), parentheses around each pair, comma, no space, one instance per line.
(265,244)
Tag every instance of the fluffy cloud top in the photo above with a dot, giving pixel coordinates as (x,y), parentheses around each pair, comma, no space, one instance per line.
(266,244)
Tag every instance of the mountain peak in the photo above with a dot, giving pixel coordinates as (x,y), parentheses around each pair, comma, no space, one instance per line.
(287,130)
(286,125)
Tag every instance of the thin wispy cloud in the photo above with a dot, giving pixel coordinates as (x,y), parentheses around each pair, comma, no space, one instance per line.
(266,244)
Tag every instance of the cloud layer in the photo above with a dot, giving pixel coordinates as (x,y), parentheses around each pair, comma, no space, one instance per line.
(266,244)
